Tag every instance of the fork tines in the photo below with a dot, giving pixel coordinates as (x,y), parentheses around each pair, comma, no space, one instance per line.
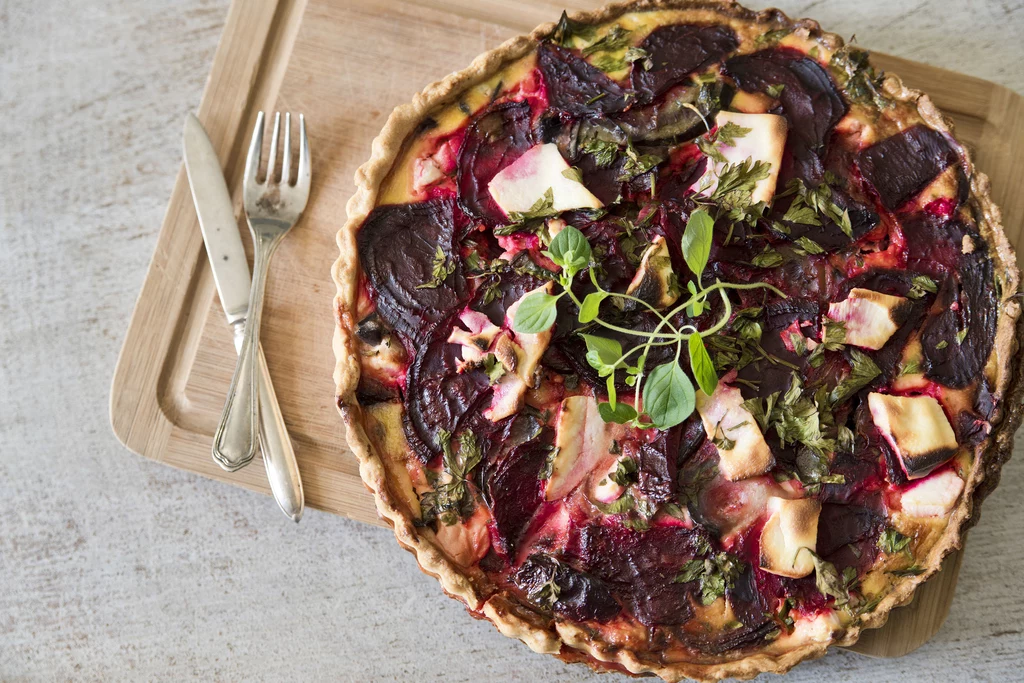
(252,166)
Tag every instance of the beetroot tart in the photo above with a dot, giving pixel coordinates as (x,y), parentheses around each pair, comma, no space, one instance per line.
(675,339)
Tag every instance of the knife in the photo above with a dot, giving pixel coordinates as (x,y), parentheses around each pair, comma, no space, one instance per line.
(231,274)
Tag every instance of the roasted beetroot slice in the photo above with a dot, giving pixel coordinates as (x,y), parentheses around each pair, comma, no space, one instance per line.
(438,396)
(958,340)
(396,273)
(657,466)
(575,86)
(843,526)
(496,293)
(902,165)
(810,102)
(677,52)
(640,567)
(515,489)
(495,140)
(580,597)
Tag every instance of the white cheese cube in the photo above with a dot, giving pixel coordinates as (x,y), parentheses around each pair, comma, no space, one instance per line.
(765,142)
(519,186)
(934,496)
(870,317)
(583,442)
(725,418)
(521,359)
(792,526)
(917,429)
(604,489)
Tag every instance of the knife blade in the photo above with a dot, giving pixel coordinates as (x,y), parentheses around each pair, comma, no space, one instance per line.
(230,268)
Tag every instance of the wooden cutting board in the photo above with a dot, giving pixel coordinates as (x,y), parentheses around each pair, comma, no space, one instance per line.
(345,64)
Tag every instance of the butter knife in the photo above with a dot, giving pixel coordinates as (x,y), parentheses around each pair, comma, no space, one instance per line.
(231,274)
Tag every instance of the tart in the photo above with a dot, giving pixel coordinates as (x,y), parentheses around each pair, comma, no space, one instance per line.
(675,339)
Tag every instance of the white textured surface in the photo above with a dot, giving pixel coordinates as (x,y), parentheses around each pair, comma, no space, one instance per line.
(116,568)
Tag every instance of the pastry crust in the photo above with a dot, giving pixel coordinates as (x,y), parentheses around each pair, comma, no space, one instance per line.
(565,639)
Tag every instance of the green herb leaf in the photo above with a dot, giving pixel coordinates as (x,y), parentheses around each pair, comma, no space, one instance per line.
(625,472)
(615,39)
(701,365)
(566,29)
(638,54)
(697,240)
(536,313)
(863,370)
(892,541)
(911,367)
(603,354)
(716,574)
(730,132)
(768,258)
(591,306)
(571,250)
(853,73)
(736,183)
(808,246)
(573,173)
(453,499)
(523,221)
(960,336)
(442,267)
(920,284)
(637,164)
(668,395)
(771,37)
(912,570)
(623,504)
(828,580)
(603,151)
(621,414)
(774,91)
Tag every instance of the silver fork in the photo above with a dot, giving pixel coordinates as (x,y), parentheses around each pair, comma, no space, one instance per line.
(271,208)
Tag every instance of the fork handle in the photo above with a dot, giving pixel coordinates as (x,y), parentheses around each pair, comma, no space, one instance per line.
(234,443)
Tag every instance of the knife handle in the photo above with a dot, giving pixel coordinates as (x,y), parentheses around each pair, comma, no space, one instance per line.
(278,455)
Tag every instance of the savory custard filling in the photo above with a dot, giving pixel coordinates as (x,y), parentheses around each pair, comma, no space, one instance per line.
(687,328)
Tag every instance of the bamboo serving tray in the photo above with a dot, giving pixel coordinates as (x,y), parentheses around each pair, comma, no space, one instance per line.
(345,64)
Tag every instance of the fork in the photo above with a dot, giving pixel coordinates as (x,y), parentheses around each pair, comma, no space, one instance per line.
(271,209)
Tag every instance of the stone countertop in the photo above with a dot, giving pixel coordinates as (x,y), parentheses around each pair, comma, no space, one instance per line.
(113,567)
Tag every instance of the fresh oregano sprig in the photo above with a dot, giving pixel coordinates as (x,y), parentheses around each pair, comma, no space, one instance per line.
(664,394)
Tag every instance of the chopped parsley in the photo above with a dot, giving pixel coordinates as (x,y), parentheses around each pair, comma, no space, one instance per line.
(452,499)
(441,268)
(715,575)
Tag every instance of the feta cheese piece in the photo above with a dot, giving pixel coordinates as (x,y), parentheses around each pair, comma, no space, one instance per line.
(655,280)
(466,543)
(870,317)
(531,347)
(934,496)
(521,358)
(518,187)
(764,142)
(792,526)
(582,442)
(917,429)
(605,489)
(477,339)
(726,419)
